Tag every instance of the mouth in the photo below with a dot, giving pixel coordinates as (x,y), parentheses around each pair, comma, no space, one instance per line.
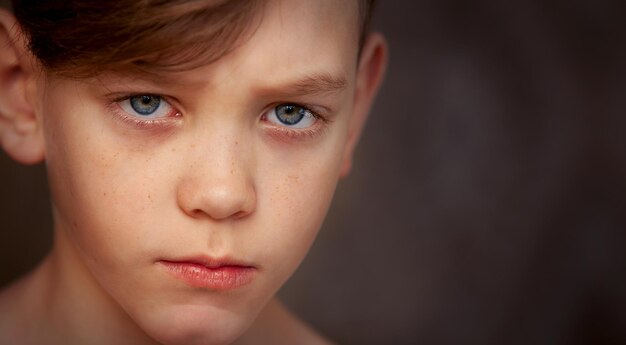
(209,273)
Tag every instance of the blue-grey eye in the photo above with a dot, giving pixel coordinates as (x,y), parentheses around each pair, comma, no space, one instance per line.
(147,107)
(292,116)
(145,104)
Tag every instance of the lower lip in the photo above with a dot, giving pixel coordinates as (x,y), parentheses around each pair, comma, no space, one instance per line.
(225,277)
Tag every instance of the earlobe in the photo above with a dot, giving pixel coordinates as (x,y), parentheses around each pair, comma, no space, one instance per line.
(20,132)
(371,70)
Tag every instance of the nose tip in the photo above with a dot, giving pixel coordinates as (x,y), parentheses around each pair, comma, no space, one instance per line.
(217,199)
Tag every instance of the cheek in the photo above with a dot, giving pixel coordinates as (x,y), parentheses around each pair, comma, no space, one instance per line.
(101,196)
(297,187)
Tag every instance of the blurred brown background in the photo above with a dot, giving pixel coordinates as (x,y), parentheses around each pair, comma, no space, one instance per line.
(487,203)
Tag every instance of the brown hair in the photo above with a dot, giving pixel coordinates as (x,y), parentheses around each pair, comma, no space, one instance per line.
(83,38)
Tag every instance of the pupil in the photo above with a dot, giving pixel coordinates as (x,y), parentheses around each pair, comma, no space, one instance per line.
(145,104)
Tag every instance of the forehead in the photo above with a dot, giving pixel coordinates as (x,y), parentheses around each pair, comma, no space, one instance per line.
(308,31)
(318,22)
(292,37)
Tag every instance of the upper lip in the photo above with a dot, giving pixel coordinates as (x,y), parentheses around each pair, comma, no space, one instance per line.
(209,262)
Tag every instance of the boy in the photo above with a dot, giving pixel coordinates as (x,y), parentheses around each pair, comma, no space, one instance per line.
(192,150)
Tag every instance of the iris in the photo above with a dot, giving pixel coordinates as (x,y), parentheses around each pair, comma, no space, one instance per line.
(290,114)
(145,104)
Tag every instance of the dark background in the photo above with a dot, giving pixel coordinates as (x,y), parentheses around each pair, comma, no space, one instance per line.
(487,202)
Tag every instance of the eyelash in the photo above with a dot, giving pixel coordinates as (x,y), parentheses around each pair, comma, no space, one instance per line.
(166,122)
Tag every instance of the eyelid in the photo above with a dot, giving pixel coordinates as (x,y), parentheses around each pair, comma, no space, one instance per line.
(121,96)
(318,111)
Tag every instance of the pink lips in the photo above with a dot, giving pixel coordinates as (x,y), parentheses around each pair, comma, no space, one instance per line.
(217,274)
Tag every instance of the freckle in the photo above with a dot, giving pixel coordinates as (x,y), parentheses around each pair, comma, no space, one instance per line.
(104,194)
(174,150)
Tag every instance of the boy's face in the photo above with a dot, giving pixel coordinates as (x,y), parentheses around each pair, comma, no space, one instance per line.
(221,168)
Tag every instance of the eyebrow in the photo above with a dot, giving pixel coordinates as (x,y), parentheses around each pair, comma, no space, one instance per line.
(311,84)
(318,83)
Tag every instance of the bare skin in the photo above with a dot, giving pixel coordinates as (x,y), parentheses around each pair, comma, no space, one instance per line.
(23,322)
(212,171)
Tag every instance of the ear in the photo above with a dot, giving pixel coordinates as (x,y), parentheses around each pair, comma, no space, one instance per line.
(20,131)
(371,69)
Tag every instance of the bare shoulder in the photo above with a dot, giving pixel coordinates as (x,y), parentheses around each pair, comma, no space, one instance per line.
(277,325)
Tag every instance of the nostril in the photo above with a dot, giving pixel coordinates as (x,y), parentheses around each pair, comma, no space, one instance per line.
(196,213)
(199,213)
(240,214)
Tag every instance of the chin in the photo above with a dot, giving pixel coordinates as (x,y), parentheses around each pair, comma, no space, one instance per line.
(191,325)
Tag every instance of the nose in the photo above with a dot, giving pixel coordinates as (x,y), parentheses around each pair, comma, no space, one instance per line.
(218,183)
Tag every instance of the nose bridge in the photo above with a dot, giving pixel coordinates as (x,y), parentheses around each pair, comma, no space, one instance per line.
(218,146)
(218,182)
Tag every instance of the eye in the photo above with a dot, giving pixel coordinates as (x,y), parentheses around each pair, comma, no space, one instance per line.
(146,106)
(291,115)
